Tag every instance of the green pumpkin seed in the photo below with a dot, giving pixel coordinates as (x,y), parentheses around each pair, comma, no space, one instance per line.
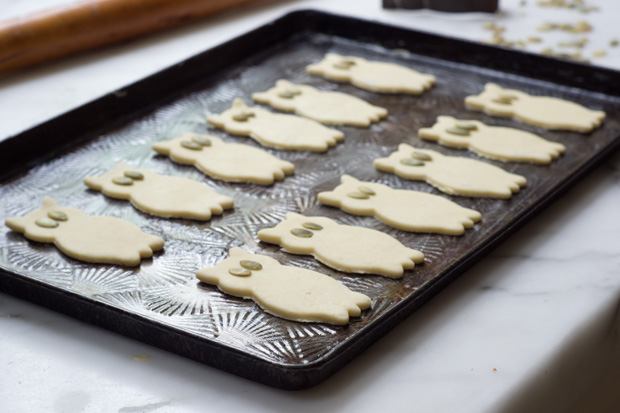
(366,190)
(251,265)
(466,126)
(421,156)
(358,195)
(122,180)
(240,272)
(458,131)
(289,93)
(243,116)
(46,223)
(191,145)
(312,226)
(411,162)
(344,64)
(300,232)
(134,175)
(507,96)
(502,101)
(57,215)
(201,140)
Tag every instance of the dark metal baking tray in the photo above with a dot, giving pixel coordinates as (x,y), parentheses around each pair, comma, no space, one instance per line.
(161,302)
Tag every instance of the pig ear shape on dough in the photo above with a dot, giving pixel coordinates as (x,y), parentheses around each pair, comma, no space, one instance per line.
(94,182)
(48,203)
(17,223)
(271,235)
(163,148)
(238,103)
(345,179)
(382,163)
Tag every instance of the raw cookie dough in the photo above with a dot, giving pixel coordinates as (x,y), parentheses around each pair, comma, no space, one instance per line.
(292,293)
(275,130)
(87,238)
(346,248)
(232,162)
(164,196)
(453,175)
(333,108)
(493,142)
(543,111)
(370,75)
(399,208)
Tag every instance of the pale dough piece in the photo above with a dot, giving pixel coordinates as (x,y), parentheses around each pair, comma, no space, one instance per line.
(343,247)
(494,142)
(371,75)
(333,108)
(399,208)
(292,293)
(164,196)
(232,162)
(546,112)
(87,238)
(453,175)
(275,130)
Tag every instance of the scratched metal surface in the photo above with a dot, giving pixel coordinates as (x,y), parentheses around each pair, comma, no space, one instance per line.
(163,290)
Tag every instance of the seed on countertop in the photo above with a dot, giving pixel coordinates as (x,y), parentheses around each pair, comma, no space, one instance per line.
(251,265)
(57,215)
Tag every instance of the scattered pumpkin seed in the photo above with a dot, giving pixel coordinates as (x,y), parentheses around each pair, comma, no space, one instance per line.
(422,156)
(251,265)
(57,215)
(614,42)
(312,226)
(534,39)
(240,272)
(300,232)
(599,53)
(466,126)
(46,223)
(366,190)
(133,175)
(358,195)
(122,180)
(458,131)
(191,145)
(201,140)
(411,162)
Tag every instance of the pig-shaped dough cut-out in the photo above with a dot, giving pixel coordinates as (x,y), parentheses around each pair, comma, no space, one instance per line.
(453,175)
(334,108)
(493,142)
(164,196)
(105,240)
(287,292)
(345,248)
(275,130)
(232,162)
(544,111)
(400,208)
(370,75)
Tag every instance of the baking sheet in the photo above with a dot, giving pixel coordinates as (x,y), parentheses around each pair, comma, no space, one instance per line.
(163,304)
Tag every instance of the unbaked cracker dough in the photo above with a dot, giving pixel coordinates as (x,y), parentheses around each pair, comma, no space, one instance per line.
(399,208)
(275,130)
(333,108)
(371,75)
(453,175)
(292,293)
(494,142)
(546,112)
(105,240)
(164,196)
(232,162)
(343,247)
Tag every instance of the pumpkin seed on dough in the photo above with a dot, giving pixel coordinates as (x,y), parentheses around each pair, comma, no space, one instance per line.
(411,162)
(241,117)
(251,265)
(57,215)
(240,272)
(458,131)
(191,145)
(133,175)
(421,156)
(46,223)
(358,195)
(312,226)
(366,190)
(466,126)
(502,101)
(344,64)
(300,232)
(201,140)
(122,180)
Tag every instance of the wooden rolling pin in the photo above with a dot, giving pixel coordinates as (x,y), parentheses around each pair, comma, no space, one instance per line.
(89,24)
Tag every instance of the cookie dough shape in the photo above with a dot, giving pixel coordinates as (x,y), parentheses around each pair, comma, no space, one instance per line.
(334,108)
(546,112)
(164,196)
(493,142)
(453,175)
(275,130)
(345,248)
(232,162)
(105,240)
(370,75)
(399,208)
(287,292)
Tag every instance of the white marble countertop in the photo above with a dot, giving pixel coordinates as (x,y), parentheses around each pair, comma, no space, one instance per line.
(532,327)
